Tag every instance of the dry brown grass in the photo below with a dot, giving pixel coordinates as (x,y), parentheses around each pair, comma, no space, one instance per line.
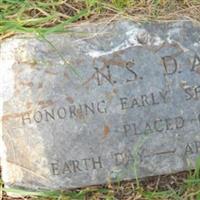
(54,15)
(166,187)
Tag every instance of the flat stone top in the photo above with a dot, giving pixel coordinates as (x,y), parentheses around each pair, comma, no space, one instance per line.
(103,102)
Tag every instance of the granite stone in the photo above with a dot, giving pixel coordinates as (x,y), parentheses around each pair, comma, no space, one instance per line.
(102,102)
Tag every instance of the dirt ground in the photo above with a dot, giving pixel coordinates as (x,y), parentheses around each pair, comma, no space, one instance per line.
(126,189)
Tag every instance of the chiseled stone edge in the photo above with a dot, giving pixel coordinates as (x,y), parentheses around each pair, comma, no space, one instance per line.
(7,58)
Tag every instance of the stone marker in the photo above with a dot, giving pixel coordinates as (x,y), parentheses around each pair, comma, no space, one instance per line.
(100,103)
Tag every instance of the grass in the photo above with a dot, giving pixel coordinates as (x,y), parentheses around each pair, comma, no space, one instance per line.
(43,17)
(183,186)
(50,16)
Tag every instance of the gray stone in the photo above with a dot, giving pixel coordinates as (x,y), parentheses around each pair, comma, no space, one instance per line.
(100,103)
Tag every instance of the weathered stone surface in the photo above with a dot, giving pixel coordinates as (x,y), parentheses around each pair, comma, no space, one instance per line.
(100,103)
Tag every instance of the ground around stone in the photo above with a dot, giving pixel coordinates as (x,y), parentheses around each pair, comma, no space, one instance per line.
(36,16)
(44,17)
(165,187)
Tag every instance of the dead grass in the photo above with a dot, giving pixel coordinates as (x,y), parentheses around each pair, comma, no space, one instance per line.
(181,186)
(47,16)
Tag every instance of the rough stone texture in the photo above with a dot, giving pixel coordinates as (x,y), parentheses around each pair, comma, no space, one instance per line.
(100,103)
